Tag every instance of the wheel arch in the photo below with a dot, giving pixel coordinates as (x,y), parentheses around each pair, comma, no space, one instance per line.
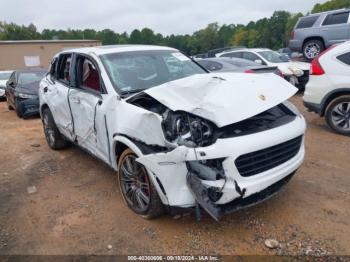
(331,96)
(320,38)
(42,107)
(120,143)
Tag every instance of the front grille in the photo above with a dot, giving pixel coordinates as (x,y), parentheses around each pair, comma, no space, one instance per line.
(260,161)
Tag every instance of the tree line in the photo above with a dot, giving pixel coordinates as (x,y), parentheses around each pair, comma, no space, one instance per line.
(272,32)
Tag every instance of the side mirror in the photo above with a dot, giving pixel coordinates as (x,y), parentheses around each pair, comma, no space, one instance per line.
(11,83)
(258,61)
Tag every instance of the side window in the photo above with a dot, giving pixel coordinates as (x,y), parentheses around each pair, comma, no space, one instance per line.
(63,70)
(334,19)
(87,76)
(250,56)
(213,66)
(235,54)
(307,22)
(53,68)
(345,58)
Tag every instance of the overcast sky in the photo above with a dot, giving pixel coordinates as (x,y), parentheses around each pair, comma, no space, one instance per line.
(163,16)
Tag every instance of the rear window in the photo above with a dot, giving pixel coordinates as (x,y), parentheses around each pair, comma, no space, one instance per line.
(235,54)
(307,22)
(345,58)
(334,19)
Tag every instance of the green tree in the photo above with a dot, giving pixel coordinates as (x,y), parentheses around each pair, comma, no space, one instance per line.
(331,5)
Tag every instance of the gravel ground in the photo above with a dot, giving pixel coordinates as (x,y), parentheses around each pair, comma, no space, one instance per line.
(66,202)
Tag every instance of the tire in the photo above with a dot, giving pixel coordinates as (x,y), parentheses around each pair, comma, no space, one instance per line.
(338,115)
(136,188)
(312,48)
(18,109)
(53,136)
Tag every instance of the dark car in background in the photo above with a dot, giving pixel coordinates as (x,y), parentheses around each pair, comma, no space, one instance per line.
(22,91)
(235,65)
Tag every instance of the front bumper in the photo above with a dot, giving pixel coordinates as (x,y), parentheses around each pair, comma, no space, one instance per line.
(28,107)
(2,93)
(170,170)
(316,108)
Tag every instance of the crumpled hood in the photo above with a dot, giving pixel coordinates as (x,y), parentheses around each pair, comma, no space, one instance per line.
(224,98)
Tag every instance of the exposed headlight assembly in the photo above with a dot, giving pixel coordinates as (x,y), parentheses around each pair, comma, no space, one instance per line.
(186,129)
(26,96)
(296,71)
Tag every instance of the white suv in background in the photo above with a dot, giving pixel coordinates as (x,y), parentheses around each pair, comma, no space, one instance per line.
(178,136)
(295,72)
(328,91)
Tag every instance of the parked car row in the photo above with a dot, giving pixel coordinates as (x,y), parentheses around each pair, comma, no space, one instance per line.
(297,73)
(180,137)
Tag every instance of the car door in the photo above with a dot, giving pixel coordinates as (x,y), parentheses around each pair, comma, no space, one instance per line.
(55,88)
(86,100)
(335,27)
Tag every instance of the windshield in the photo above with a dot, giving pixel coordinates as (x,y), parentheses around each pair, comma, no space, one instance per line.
(5,76)
(241,62)
(26,78)
(135,71)
(273,57)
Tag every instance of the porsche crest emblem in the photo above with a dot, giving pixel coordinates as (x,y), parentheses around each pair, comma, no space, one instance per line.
(262,97)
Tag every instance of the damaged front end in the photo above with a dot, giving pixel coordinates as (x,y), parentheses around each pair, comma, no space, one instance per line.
(199,168)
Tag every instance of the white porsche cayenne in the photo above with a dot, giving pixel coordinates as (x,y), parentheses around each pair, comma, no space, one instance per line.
(179,137)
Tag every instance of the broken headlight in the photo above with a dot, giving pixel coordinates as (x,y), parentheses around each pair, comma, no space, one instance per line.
(188,130)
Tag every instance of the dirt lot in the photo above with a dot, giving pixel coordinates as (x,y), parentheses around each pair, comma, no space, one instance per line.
(77,208)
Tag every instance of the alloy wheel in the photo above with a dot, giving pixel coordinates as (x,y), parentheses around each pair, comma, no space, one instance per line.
(312,50)
(135,183)
(340,116)
(49,132)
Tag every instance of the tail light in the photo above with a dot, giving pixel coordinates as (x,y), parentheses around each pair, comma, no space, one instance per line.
(292,34)
(316,68)
(249,71)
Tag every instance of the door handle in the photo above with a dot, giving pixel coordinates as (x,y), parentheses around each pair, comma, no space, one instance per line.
(75,100)
(324,29)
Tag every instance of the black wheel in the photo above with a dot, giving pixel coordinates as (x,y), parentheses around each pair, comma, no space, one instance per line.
(338,115)
(53,136)
(136,188)
(312,48)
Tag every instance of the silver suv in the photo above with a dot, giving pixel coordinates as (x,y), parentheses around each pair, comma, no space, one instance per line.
(314,33)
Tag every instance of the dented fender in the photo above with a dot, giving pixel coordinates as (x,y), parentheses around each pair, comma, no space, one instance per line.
(171,170)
